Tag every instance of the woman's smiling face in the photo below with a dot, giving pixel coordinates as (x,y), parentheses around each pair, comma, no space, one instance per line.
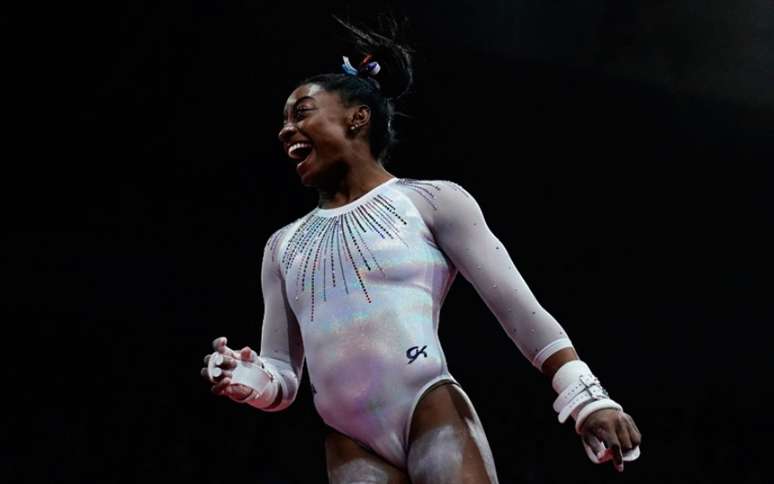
(315,134)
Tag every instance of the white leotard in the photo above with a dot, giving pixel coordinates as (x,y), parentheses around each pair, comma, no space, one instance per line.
(357,291)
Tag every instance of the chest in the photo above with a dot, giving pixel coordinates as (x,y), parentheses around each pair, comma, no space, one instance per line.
(352,258)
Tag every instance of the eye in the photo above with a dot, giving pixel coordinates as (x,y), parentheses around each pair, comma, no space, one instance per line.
(301,112)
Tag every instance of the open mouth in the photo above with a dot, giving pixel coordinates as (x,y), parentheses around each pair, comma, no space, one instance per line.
(300,151)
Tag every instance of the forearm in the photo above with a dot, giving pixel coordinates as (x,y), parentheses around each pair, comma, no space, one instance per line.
(557,360)
(492,272)
(534,331)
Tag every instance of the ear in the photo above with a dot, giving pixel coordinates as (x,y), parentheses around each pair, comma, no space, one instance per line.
(361,116)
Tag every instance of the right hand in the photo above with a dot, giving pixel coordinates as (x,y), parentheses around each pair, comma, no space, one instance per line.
(222,383)
(610,434)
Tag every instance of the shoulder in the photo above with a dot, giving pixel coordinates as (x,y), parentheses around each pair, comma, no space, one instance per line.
(276,239)
(440,202)
(432,193)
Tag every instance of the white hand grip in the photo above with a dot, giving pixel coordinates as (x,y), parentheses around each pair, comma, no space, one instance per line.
(251,375)
(246,373)
(212,366)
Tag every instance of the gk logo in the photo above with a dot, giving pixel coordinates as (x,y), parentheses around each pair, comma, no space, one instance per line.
(414,352)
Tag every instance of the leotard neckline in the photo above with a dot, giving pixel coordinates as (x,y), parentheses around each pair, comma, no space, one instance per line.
(370,194)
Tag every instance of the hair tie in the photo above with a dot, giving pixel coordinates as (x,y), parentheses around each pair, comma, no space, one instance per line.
(348,67)
(371,68)
(365,68)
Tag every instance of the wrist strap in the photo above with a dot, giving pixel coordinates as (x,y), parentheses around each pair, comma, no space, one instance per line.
(578,388)
(587,389)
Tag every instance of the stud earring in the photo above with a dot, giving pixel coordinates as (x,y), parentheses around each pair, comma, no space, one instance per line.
(353,127)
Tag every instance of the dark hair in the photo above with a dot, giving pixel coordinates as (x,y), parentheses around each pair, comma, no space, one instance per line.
(380,92)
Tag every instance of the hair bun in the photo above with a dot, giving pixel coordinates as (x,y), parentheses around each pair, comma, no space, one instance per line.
(382,56)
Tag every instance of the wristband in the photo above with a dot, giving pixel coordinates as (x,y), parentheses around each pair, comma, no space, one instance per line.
(576,386)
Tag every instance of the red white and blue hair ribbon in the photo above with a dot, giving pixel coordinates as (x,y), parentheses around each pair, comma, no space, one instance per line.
(367,67)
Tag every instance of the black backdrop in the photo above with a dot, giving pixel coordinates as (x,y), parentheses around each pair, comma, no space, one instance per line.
(621,151)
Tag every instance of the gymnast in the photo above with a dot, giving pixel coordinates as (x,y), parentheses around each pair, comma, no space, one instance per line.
(355,288)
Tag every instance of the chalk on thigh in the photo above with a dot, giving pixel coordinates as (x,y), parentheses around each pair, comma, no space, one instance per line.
(451,447)
(349,463)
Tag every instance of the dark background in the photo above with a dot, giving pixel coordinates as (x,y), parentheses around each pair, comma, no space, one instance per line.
(621,150)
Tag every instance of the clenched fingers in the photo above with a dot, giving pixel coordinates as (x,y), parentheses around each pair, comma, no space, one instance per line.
(223,365)
(634,432)
(221,386)
(622,430)
(247,354)
(610,438)
(219,344)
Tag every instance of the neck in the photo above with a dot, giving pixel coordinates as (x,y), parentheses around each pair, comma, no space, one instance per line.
(359,179)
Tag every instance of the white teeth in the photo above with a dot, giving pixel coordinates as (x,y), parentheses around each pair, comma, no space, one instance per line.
(297,146)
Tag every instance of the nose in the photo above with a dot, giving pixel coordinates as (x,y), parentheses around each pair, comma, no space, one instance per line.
(287,131)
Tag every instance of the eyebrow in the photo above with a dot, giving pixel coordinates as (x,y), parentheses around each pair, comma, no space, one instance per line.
(285,112)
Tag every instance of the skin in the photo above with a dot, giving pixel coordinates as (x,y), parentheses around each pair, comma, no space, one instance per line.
(447,441)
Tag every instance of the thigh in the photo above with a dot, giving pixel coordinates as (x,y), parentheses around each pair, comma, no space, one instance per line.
(349,463)
(447,443)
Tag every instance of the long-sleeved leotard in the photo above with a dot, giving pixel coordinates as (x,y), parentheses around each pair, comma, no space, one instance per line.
(358,289)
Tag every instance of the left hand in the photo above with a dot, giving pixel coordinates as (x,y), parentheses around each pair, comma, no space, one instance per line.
(616,430)
(222,383)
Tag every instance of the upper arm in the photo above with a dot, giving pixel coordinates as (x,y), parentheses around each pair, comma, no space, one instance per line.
(280,333)
(461,231)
